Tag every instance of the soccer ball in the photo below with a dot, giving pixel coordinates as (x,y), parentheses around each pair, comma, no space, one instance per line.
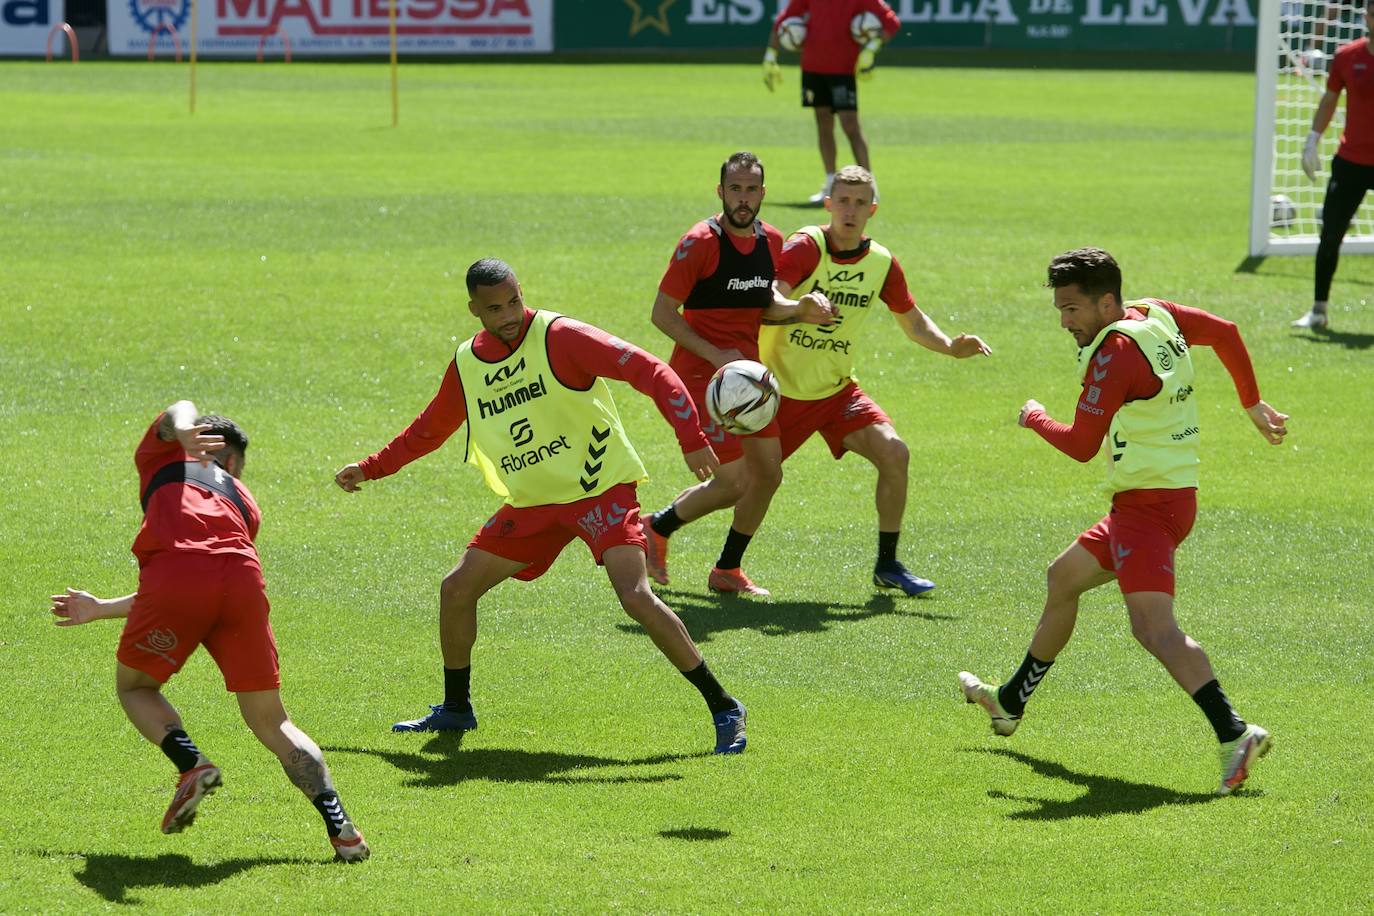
(792,33)
(865,27)
(1282,212)
(742,397)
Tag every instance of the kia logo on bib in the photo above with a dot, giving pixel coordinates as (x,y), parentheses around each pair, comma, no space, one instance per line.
(505,373)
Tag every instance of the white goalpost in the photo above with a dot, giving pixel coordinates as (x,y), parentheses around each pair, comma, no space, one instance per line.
(1296,41)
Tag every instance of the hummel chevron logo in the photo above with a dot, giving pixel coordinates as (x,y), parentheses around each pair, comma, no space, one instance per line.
(713,432)
(1103,358)
(1032,681)
(1119,555)
(680,402)
(596,452)
(682,251)
(616,515)
(591,468)
(587,485)
(600,436)
(1099,374)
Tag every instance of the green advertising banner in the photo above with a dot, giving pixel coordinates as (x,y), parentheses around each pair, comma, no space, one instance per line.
(1087,25)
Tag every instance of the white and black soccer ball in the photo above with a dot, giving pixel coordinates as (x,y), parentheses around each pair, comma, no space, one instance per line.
(864,27)
(1282,212)
(792,33)
(742,397)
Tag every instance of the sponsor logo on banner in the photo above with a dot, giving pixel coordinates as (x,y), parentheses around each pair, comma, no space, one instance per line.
(24,26)
(234,28)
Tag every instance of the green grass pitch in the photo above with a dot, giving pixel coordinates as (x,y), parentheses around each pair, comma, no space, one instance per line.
(285,257)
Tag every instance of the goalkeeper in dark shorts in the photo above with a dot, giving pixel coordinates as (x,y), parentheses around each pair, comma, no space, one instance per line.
(832,63)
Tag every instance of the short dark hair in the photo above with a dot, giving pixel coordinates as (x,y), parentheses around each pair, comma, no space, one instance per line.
(488,272)
(1094,270)
(234,436)
(741,160)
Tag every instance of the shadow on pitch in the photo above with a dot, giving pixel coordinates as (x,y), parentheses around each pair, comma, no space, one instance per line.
(442,763)
(694,834)
(1339,338)
(114,876)
(1105,795)
(707,614)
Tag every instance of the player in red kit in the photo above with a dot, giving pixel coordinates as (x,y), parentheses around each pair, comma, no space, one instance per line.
(831,62)
(544,430)
(713,298)
(1352,168)
(1137,377)
(200,583)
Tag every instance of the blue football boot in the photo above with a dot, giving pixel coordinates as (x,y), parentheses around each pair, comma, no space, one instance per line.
(892,574)
(730,730)
(440,719)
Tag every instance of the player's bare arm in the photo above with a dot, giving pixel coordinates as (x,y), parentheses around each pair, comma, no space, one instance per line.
(812,308)
(77,607)
(1272,425)
(667,317)
(919,327)
(179,423)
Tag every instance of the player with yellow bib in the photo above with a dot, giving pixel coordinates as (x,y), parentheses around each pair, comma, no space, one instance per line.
(1136,365)
(814,364)
(543,430)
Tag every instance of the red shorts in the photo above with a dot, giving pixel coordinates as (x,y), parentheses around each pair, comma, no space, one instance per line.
(536,535)
(187,599)
(726,445)
(1137,540)
(835,417)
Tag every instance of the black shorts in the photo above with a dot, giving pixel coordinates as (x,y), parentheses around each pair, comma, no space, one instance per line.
(830,90)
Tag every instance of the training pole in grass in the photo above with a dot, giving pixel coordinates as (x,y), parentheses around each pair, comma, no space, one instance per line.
(194,36)
(395,99)
(170,30)
(71,41)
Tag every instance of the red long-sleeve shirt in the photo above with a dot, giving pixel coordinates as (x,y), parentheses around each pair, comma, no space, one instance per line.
(1122,373)
(829,47)
(578,354)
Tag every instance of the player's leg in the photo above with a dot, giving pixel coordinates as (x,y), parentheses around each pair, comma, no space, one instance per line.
(1344,192)
(879,444)
(763,461)
(854,132)
(816,96)
(625,567)
(724,489)
(1075,571)
(477,572)
(304,765)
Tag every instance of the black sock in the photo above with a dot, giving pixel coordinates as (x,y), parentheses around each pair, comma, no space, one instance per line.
(456,695)
(732,554)
(332,810)
(1016,692)
(887,546)
(715,696)
(1217,708)
(665,521)
(180,749)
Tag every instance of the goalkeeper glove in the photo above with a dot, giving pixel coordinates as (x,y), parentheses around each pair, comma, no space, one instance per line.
(1311,159)
(772,73)
(863,67)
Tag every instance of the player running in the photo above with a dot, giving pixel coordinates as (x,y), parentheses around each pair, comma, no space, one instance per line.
(200,582)
(815,368)
(717,290)
(1135,359)
(544,430)
(831,62)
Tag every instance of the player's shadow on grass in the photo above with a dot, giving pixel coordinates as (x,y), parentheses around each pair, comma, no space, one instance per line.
(114,876)
(1105,795)
(441,762)
(1350,341)
(704,615)
(694,834)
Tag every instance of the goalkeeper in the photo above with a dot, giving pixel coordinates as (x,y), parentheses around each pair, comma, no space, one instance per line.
(1352,168)
(831,62)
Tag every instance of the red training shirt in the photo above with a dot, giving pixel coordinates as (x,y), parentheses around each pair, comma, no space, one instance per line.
(696,257)
(1353,70)
(801,255)
(185,517)
(1122,373)
(578,354)
(829,48)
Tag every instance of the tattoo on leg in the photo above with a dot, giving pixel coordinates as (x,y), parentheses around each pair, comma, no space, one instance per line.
(306,772)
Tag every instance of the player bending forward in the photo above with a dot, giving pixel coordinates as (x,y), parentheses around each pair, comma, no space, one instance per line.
(200,582)
(1137,371)
(544,430)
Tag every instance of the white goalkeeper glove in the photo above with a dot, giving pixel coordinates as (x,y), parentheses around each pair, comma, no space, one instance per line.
(1311,158)
(863,67)
(772,73)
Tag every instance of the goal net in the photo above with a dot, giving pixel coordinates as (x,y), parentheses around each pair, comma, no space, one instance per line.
(1296,42)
